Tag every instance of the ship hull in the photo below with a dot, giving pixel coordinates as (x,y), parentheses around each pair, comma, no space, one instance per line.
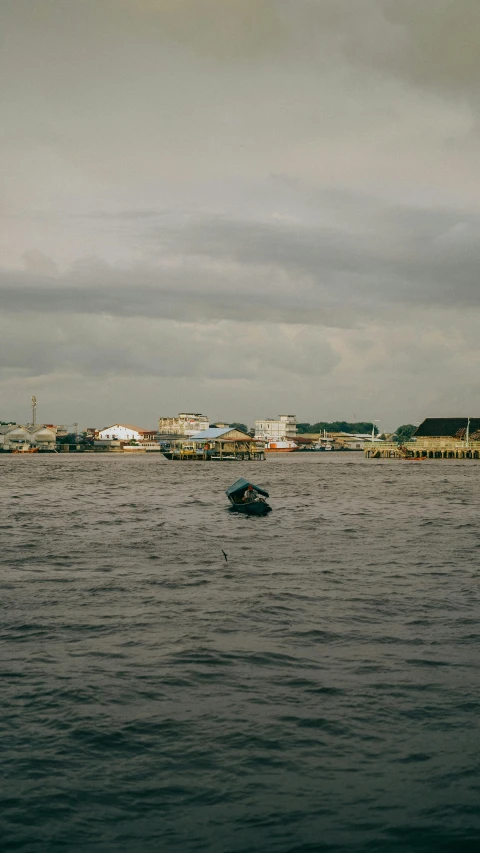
(254,508)
(280,447)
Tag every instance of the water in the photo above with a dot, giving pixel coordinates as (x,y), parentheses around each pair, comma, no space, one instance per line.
(319,691)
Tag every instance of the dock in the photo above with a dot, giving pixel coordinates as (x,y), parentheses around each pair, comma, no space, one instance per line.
(424,449)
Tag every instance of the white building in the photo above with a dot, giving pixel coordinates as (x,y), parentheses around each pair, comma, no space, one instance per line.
(120,432)
(271,429)
(186,423)
(360,440)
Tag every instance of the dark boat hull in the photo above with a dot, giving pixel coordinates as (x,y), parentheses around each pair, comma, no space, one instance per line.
(254,508)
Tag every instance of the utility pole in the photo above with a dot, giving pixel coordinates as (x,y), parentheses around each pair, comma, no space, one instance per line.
(467,436)
(34,411)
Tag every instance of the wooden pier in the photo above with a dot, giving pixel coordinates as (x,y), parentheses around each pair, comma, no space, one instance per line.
(424,449)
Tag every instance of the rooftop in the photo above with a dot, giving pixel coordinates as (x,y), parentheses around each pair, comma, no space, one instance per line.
(446,427)
(126,426)
(215,432)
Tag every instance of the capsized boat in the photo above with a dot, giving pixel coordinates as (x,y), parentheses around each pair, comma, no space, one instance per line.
(248,498)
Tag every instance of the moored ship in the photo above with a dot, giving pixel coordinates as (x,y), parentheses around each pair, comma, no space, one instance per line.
(283,446)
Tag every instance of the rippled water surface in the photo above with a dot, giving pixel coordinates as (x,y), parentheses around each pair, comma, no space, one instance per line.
(319,691)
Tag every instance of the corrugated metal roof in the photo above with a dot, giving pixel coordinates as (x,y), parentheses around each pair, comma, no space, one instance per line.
(213,432)
(445,427)
(27,428)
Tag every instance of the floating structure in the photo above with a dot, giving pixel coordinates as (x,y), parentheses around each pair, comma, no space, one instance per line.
(247,498)
(215,444)
(435,438)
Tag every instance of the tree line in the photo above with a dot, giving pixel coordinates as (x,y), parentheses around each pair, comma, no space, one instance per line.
(402,433)
(338,426)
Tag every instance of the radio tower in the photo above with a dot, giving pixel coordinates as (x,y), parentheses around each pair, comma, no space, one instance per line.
(34,411)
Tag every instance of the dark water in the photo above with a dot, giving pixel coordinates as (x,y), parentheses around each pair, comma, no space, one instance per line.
(317,692)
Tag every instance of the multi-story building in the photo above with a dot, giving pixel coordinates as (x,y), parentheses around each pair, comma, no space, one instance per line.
(186,423)
(271,429)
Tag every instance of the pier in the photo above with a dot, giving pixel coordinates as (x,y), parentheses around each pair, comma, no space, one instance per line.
(424,449)
(435,438)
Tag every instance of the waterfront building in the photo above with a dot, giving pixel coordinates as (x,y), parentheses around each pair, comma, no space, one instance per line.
(280,429)
(121,432)
(13,436)
(437,429)
(43,437)
(19,436)
(185,423)
(435,438)
(358,441)
(125,438)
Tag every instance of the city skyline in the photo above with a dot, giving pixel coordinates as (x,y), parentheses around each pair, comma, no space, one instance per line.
(79,425)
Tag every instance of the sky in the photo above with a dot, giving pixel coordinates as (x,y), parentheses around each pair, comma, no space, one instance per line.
(241,208)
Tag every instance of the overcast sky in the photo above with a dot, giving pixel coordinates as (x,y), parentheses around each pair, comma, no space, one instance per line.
(241,208)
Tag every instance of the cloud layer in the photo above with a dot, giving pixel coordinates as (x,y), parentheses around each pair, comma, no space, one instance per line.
(240,208)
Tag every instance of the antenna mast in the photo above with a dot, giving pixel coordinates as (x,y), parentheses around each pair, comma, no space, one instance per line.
(34,411)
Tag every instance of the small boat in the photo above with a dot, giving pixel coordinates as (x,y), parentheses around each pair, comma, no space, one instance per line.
(319,447)
(252,504)
(407,455)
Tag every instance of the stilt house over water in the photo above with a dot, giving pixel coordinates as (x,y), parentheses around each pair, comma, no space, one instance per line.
(215,444)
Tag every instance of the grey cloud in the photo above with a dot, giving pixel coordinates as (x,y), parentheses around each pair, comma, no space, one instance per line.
(441,47)
(236,202)
(216,268)
(167,295)
(431,44)
(408,254)
(79,365)
(36,262)
(103,347)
